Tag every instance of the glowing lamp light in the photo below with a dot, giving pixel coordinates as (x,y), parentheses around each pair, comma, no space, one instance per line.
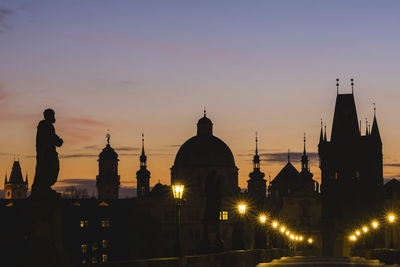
(242,209)
(287,233)
(292,237)
(300,238)
(262,219)
(297,238)
(274,224)
(310,240)
(177,190)
(391,218)
(374,224)
(282,229)
(357,233)
(365,229)
(353,238)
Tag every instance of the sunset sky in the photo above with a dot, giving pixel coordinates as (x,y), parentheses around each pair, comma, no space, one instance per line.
(152,66)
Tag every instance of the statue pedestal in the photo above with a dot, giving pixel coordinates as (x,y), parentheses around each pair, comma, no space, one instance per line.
(45,232)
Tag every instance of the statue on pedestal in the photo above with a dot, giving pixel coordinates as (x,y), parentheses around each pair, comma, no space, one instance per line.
(47,163)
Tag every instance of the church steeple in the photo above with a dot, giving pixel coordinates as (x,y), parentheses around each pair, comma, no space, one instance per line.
(304,158)
(257,184)
(15,187)
(143,175)
(375,129)
(321,136)
(256,158)
(143,157)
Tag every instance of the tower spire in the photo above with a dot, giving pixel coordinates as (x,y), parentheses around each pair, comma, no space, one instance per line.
(256,158)
(337,86)
(304,150)
(5,180)
(321,136)
(352,86)
(325,138)
(205,112)
(143,157)
(256,144)
(366,127)
(288,156)
(304,158)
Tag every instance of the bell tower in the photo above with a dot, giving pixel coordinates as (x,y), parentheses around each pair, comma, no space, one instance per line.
(108,180)
(143,175)
(16,187)
(257,184)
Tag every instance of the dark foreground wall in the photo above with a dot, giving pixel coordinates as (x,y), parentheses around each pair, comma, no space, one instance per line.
(237,258)
(388,256)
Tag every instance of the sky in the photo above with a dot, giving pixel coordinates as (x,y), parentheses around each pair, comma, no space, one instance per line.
(152,66)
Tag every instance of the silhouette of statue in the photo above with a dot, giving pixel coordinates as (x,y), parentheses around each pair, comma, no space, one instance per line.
(47,163)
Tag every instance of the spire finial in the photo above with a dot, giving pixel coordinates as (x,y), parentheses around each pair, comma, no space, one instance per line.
(325,138)
(256,144)
(374,109)
(205,111)
(337,85)
(304,151)
(366,126)
(288,156)
(142,143)
(352,85)
(108,136)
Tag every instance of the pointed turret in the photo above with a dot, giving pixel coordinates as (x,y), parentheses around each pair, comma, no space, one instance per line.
(5,179)
(325,138)
(143,175)
(257,184)
(375,129)
(321,136)
(304,158)
(345,126)
(15,187)
(26,178)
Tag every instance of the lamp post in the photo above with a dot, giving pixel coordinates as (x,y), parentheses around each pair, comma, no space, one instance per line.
(391,219)
(263,220)
(177,190)
(242,211)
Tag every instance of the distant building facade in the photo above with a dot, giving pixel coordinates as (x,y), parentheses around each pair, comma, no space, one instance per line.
(15,187)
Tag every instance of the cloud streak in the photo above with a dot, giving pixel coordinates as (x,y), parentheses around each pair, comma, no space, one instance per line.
(280,157)
(4,14)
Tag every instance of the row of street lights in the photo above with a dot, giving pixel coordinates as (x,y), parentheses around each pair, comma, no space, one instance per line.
(390,218)
(178,189)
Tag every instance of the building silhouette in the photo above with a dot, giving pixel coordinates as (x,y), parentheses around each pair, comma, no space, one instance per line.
(107,181)
(143,175)
(16,187)
(256,185)
(350,162)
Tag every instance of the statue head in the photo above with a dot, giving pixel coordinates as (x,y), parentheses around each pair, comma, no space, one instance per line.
(49,115)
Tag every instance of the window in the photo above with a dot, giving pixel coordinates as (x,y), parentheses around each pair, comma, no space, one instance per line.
(223,215)
(105,243)
(105,257)
(94,260)
(84,261)
(8,193)
(84,224)
(105,223)
(84,248)
(94,247)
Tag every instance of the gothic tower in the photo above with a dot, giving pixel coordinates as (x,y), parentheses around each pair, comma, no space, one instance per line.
(143,175)
(107,181)
(15,187)
(350,162)
(257,184)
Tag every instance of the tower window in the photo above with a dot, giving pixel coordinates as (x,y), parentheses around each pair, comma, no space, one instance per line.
(105,223)
(94,260)
(84,223)
(105,257)
(84,248)
(105,243)
(94,247)
(223,215)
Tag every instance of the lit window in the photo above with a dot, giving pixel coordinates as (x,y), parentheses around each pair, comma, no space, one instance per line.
(84,261)
(105,223)
(84,248)
(105,243)
(84,224)
(105,257)
(94,260)
(94,246)
(223,215)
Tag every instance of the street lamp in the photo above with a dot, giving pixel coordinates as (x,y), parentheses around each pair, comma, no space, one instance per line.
(263,220)
(391,219)
(242,207)
(177,190)
(374,224)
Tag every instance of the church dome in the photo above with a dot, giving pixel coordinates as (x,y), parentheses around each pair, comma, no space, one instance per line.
(108,153)
(204,149)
